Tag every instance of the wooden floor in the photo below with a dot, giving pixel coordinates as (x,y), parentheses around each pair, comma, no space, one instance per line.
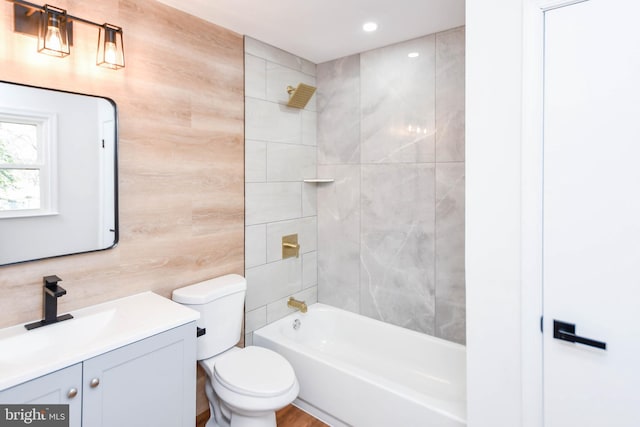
(289,416)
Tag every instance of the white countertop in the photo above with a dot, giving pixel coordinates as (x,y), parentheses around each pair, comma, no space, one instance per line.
(94,330)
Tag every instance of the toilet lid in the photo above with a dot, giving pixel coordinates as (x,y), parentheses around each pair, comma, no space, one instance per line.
(255,371)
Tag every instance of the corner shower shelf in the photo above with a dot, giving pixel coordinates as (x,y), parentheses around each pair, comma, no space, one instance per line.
(318,180)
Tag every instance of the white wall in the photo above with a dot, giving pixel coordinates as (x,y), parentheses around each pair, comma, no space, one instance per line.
(493,138)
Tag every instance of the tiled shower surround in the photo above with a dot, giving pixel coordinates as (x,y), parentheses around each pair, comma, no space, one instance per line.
(280,151)
(391,226)
(386,239)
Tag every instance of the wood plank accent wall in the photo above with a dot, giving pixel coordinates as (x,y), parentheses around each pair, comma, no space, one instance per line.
(181,110)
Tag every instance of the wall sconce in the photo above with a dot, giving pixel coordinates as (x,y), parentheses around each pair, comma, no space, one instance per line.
(110,47)
(53,38)
(54,29)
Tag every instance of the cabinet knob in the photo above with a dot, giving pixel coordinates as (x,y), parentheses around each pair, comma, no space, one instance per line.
(73,392)
(95,382)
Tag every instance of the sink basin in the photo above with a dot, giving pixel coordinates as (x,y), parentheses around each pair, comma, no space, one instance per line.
(20,346)
(94,330)
(24,345)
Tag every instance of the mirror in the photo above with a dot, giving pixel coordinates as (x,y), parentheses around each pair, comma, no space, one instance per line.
(58,173)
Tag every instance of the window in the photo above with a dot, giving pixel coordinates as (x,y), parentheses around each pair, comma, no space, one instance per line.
(26,165)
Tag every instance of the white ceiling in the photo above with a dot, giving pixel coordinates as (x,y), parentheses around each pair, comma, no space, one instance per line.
(322,30)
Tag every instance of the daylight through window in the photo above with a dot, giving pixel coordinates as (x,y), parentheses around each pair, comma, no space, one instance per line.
(24,166)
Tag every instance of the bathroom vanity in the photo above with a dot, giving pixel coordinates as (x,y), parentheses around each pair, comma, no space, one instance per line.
(128,362)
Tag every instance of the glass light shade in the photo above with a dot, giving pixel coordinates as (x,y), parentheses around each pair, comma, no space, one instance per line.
(53,36)
(110,48)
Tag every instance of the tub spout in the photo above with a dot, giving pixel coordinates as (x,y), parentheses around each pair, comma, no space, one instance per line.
(298,305)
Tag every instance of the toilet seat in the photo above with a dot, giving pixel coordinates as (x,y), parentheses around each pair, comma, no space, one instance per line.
(255,372)
(208,364)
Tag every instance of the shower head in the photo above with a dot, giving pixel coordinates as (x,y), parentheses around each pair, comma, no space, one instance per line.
(298,97)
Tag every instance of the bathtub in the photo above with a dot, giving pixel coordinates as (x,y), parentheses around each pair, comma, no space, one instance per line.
(357,371)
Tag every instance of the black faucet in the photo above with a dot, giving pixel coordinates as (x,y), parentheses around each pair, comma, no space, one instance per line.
(51,292)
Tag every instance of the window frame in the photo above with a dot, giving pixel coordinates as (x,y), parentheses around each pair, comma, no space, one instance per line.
(46,163)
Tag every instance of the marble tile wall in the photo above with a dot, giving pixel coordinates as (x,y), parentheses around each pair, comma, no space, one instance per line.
(280,151)
(391,227)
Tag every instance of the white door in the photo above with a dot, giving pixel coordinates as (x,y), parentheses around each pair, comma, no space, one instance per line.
(591,249)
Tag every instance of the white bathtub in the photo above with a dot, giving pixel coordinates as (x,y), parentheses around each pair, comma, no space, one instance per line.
(356,371)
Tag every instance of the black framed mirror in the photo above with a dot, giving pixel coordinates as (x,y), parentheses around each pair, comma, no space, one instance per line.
(58,173)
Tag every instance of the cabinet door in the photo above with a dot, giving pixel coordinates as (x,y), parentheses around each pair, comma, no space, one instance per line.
(52,389)
(148,383)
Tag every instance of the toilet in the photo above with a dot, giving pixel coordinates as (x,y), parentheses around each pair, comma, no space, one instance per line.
(245,386)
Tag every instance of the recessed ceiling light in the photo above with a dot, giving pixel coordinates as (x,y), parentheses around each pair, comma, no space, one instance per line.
(413,54)
(370,26)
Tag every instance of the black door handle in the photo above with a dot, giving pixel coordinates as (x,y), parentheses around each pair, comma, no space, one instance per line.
(567,332)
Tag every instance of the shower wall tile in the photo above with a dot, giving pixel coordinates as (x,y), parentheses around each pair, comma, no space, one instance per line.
(305,228)
(290,162)
(309,199)
(268,121)
(397,246)
(268,202)
(309,124)
(255,77)
(339,237)
(398,103)
(398,208)
(309,270)
(450,68)
(273,54)
(279,309)
(270,282)
(280,151)
(449,261)
(339,111)
(255,245)
(308,67)
(255,319)
(248,339)
(279,77)
(255,161)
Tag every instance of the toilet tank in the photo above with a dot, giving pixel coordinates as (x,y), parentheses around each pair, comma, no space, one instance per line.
(220,302)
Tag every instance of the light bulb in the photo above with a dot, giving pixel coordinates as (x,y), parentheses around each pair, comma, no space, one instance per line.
(110,53)
(53,40)
(52,32)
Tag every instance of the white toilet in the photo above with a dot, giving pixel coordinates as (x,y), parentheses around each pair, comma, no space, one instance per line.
(245,385)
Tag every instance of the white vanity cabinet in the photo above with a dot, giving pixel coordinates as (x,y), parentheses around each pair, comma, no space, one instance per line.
(129,362)
(148,383)
(60,387)
(151,382)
